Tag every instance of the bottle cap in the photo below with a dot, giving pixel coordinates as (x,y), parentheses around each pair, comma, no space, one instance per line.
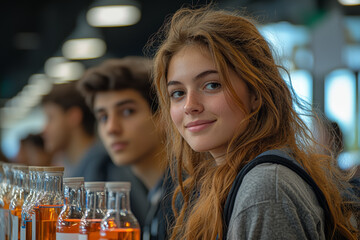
(34,168)
(22,168)
(118,185)
(96,185)
(53,169)
(73,180)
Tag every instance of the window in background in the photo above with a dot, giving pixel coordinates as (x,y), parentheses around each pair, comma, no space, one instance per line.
(340,102)
(10,137)
(340,106)
(289,43)
(302,83)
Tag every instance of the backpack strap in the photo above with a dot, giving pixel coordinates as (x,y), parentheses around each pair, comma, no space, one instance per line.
(230,201)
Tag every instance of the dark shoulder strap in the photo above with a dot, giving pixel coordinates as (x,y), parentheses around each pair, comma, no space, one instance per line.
(229,204)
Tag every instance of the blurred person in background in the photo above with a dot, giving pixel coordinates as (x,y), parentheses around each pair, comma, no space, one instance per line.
(2,157)
(331,137)
(32,151)
(69,133)
(119,92)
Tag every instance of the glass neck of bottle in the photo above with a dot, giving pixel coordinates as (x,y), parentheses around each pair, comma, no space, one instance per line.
(20,179)
(32,181)
(73,195)
(40,181)
(15,176)
(8,175)
(119,200)
(95,199)
(53,183)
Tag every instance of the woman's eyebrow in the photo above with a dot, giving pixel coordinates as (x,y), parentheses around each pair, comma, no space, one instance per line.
(197,77)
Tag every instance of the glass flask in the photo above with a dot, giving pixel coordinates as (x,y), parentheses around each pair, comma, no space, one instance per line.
(5,189)
(95,210)
(34,211)
(50,204)
(28,206)
(67,226)
(119,222)
(18,198)
(10,173)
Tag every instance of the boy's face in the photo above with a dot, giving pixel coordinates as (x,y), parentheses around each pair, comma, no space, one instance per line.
(57,128)
(125,125)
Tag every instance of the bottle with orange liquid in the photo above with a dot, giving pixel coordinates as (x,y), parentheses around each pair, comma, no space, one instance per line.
(33,224)
(16,203)
(67,226)
(95,210)
(119,222)
(28,206)
(5,188)
(50,204)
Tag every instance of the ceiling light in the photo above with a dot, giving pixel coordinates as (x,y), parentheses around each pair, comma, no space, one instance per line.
(113,16)
(349,2)
(84,48)
(62,70)
(40,84)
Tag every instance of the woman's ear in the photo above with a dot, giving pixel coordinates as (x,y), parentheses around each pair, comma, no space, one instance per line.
(254,101)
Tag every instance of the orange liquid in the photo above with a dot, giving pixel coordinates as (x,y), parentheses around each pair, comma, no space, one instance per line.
(69,226)
(37,226)
(17,212)
(92,229)
(121,234)
(28,225)
(48,218)
(6,221)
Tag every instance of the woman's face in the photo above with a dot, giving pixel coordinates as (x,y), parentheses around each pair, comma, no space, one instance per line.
(202,110)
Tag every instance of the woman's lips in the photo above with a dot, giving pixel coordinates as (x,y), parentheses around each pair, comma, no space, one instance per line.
(199,125)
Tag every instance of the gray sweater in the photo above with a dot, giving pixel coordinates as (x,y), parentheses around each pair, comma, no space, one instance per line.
(273,202)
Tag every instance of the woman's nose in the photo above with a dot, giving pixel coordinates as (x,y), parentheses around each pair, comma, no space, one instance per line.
(193,104)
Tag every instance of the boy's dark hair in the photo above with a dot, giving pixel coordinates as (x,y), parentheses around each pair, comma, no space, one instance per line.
(67,96)
(34,139)
(131,72)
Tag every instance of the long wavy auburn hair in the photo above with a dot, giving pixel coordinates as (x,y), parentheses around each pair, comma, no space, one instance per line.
(235,43)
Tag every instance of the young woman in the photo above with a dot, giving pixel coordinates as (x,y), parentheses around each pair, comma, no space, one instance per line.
(225,103)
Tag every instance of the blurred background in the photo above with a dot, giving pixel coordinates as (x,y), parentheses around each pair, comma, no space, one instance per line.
(46,42)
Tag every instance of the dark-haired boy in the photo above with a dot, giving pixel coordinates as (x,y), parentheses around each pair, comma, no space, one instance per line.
(119,92)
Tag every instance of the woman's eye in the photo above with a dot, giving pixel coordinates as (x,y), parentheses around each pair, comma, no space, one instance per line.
(213,86)
(176,94)
(127,112)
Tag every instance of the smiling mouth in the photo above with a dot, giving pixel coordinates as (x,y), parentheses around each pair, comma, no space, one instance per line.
(198,126)
(118,146)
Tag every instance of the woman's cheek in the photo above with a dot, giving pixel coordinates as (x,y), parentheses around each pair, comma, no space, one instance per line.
(176,116)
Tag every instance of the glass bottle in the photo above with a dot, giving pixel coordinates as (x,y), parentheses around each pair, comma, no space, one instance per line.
(34,211)
(50,204)
(119,222)
(17,201)
(4,201)
(28,206)
(67,226)
(10,174)
(95,210)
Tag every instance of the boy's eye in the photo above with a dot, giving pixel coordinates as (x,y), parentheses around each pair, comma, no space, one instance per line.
(213,86)
(176,94)
(102,118)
